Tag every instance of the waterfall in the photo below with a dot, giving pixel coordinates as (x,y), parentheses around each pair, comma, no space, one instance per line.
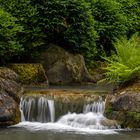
(52,110)
(42,109)
(37,109)
(90,118)
(96,107)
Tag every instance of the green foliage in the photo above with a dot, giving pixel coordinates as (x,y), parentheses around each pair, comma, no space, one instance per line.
(109,109)
(110,22)
(132,120)
(131,9)
(88,27)
(125,64)
(67,23)
(26,16)
(9,29)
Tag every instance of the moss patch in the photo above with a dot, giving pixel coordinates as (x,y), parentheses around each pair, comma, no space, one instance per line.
(109,109)
(17,118)
(30,73)
(126,119)
(133,120)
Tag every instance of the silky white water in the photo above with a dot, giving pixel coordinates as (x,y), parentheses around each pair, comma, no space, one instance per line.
(38,113)
(37,109)
(59,127)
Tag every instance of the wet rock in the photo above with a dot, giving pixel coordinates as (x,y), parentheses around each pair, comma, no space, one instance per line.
(7,73)
(12,88)
(127,102)
(63,67)
(113,124)
(9,112)
(10,92)
(124,106)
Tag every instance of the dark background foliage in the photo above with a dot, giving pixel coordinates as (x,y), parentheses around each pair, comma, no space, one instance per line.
(88,27)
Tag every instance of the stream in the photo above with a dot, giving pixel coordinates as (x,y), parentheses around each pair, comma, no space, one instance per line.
(39,122)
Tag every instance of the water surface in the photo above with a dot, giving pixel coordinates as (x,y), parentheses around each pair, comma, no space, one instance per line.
(63,131)
(24,134)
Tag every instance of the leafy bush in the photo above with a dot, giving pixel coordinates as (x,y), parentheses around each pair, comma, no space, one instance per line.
(125,64)
(110,22)
(77,25)
(9,29)
(131,9)
(26,15)
(67,23)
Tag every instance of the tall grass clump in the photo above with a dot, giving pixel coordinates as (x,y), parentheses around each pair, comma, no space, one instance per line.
(124,65)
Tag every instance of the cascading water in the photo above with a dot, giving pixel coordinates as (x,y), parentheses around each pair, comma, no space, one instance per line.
(37,109)
(40,111)
(90,118)
(95,107)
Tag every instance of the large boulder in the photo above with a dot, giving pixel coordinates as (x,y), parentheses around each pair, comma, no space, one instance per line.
(30,74)
(124,106)
(63,67)
(128,101)
(9,110)
(8,74)
(10,92)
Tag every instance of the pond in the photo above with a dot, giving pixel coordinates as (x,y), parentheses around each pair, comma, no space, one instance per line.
(25,134)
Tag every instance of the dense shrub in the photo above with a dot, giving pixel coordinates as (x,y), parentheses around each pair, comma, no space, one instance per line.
(77,25)
(67,23)
(110,22)
(131,9)
(26,15)
(9,29)
(124,66)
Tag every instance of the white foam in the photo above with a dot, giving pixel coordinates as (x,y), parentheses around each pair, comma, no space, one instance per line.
(89,122)
(58,127)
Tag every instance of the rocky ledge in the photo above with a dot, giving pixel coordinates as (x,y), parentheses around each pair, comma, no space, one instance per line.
(10,92)
(66,100)
(124,105)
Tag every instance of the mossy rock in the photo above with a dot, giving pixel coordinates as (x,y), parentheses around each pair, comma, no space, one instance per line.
(126,119)
(124,107)
(133,120)
(32,74)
